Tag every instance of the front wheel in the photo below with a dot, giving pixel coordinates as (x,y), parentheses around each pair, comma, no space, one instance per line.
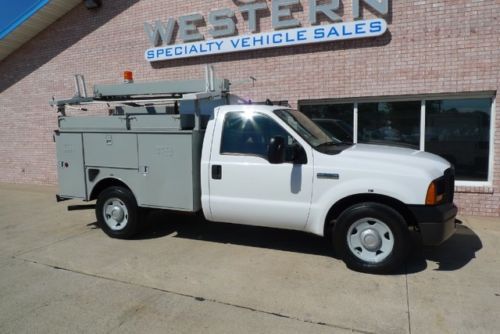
(371,237)
(117,212)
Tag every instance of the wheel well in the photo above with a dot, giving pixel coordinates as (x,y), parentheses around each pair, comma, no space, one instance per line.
(346,202)
(106,183)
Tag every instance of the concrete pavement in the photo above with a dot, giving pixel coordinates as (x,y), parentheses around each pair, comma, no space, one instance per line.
(59,273)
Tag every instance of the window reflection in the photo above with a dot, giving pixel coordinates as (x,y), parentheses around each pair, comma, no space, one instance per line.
(335,119)
(459,131)
(250,133)
(456,129)
(390,123)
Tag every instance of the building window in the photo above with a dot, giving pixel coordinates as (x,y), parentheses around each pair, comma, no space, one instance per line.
(459,131)
(389,123)
(335,119)
(456,128)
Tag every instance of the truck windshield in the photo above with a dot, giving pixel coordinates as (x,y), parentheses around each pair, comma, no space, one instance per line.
(307,129)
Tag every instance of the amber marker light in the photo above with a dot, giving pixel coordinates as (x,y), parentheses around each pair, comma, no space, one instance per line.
(128,77)
(430,199)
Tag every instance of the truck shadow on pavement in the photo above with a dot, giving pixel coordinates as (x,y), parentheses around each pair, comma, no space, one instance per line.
(454,254)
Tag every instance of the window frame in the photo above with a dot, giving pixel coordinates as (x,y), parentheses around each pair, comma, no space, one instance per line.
(423,115)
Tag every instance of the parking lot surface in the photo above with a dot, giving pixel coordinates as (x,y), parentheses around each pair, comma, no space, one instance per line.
(59,273)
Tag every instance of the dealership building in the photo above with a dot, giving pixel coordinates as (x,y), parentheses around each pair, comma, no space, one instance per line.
(419,74)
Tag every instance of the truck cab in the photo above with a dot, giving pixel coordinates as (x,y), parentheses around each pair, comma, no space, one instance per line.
(273,166)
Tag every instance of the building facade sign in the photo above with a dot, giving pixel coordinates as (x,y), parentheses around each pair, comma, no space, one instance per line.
(287,29)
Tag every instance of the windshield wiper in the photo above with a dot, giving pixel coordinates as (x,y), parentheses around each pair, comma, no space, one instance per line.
(332,143)
(329,143)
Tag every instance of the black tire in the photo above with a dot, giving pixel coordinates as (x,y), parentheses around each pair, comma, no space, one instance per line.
(383,213)
(125,198)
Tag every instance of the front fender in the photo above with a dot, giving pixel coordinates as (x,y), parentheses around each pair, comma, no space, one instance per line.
(324,200)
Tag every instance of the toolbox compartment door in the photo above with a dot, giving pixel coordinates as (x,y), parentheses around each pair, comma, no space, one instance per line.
(168,172)
(70,165)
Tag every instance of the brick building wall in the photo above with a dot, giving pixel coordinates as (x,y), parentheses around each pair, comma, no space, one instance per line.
(438,46)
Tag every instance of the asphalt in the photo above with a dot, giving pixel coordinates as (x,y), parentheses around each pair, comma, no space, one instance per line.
(60,273)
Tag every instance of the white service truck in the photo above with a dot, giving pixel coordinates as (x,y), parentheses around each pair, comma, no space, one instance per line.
(180,145)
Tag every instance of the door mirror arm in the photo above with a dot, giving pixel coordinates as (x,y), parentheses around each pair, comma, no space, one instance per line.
(276,150)
(299,155)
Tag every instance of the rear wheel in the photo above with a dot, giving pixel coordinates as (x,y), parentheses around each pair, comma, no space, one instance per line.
(117,212)
(371,237)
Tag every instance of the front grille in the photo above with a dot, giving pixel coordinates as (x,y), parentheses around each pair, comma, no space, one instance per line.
(449,185)
(445,185)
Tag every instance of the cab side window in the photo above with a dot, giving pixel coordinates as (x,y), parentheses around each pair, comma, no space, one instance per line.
(250,134)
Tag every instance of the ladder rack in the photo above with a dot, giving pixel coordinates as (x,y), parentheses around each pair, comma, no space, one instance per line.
(149,93)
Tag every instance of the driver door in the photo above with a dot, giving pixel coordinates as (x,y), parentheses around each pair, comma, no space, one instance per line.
(244,187)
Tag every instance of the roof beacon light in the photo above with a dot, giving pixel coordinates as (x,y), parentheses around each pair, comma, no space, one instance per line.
(128,77)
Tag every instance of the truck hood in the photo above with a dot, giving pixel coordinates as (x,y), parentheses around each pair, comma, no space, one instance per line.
(389,157)
(400,173)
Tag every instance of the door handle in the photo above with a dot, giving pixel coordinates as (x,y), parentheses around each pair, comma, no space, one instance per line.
(216,172)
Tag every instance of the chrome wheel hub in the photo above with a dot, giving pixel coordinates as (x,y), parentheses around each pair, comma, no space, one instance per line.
(115,214)
(370,240)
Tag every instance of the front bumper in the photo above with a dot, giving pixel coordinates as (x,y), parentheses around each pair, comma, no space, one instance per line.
(436,223)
